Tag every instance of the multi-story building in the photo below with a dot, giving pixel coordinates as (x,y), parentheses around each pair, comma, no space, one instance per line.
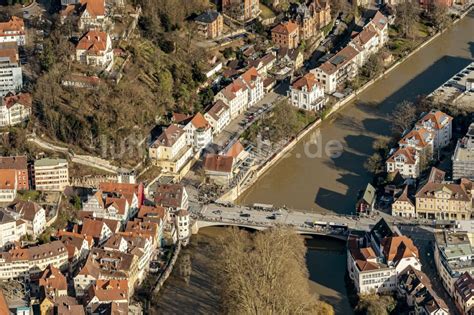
(464,294)
(405,161)
(264,64)
(463,158)
(32,214)
(52,283)
(93,14)
(78,246)
(15,109)
(95,49)
(219,168)
(182,224)
(170,151)
(218,116)
(104,264)
(414,287)
(440,125)
(171,196)
(307,93)
(375,259)
(98,230)
(198,132)
(11,77)
(50,174)
(115,201)
(13,31)
(286,35)
(236,96)
(241,10)
(150,229)
(20,165)
(422,141)
(8,185)
(311,16)
(453,256)
(11,230)
(367,42)
(404,206)
(107,292)
(29,262)
(445,200)
(210,24)
(338,69)
(254,83)
(140,245)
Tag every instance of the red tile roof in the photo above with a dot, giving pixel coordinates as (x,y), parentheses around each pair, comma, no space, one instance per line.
(15,24)
(8,179)
(396,248)
(308,80)
(235,150)
(94,42)
(169,136)
(409,155)
(437,119)
(94,7)
(218,163)
(285,28)
(21,98)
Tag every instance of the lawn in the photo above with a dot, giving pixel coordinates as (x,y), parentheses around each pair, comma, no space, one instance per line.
(267,13)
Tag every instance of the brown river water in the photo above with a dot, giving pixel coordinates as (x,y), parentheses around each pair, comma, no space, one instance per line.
(323,183)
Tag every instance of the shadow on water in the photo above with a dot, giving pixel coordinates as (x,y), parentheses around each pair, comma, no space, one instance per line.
(376,124)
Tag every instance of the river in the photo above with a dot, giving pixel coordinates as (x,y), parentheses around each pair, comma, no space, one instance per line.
(324,183)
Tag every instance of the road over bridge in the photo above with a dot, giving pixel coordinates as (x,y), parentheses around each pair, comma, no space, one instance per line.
(303,222)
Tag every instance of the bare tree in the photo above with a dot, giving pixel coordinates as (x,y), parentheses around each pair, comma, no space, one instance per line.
(266,273)
(407,17)
(439,15)
(403,117)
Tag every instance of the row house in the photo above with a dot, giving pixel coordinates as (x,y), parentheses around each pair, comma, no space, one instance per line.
(338,69)
(104,264)
(15,109)
(11,230)
(241,10)
(405,161)
(210,24)
(218,116)
(375,259)
(51,283)
(464,294)
(344,65)
(243,92)
(264,64)
(170,151)
(453,257)
(414,287)
(286,35)
(62,305)
(147,229)
(307,93)
(115,201)
(77,245)
(11,76)
(404,205)
(20,165)
(445,200)
(156,214)
(8,185)
(105,293)
(198,132)
(32,214)
(13,31)
(236,96)
(182,223)
(440,125)
(140,245)
(30,262)
(98,230)
(311,16)
(50,174)
(254,83)
(95,49)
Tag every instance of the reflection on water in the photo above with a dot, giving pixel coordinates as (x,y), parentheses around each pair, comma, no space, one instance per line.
(190,288)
